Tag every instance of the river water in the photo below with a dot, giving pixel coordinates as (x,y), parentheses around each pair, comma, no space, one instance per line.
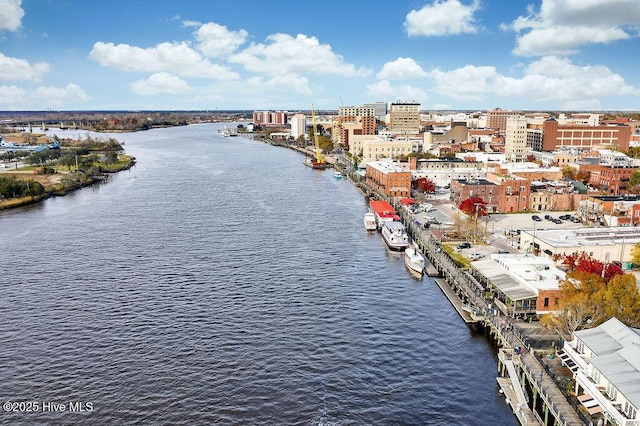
(220,281)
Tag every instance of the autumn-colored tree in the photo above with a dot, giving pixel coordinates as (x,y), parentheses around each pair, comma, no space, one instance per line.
(582,262)
(578,303)
(582,176)
(621,299)
(424,185)
(568,172)
(473,206)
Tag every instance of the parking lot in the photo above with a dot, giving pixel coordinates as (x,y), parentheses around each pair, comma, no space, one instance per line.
(502,230)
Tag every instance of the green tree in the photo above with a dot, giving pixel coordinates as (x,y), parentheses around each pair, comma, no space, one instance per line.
(67,160)
(568,172)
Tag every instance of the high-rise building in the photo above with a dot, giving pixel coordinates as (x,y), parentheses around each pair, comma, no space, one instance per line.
(497,119)
(298,125)
(515,141)
(270,118)
(364,119)
(405,118)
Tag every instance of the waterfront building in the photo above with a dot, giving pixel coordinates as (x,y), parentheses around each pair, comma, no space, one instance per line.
(524,285)
(298,125)
(605,361)
(607,245)
(405,118)
(392,179)
(353,120)
(269,118)
(556,136)
(374,147)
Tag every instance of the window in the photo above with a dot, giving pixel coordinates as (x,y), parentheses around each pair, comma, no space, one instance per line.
(629,410)
(546,302)
(612,392)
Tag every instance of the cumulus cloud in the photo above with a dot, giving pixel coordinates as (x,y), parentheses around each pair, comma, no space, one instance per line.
(12,96)
(385,90)
(11,14)
(297,83)
(551,78)
(20,69)
(562,26)
(284,54)
(442,17)
(158,83)
(401,69)
(56,96)
(176,58)
(216,40)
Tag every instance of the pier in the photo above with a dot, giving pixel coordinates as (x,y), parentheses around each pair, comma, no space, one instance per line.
(529,389)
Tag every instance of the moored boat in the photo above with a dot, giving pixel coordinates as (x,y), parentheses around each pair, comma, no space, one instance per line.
(337,175)
(414,261)
(394,234)
(370,221)
(384,212)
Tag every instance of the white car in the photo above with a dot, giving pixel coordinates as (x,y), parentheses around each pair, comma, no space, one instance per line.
(475,256)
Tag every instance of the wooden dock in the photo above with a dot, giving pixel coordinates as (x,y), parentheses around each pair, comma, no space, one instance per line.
(455,301)
(429,269)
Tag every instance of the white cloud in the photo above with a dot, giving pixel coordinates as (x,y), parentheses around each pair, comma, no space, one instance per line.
(11,14)
(550,79)
(284,54)
(216,40)
(401,69)
(384,90)
(56,96)
(442,17)
(158,83)
(562,26)
(20,69)
(176,58)
(294,82)
(12,95)
(468,82)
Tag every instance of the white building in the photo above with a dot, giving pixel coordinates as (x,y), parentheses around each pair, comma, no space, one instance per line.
(298,125)
(606,365)
(515,142)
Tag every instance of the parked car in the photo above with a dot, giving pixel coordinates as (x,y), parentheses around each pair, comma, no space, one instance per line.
(475,256)
(575,220)
(536,218)
(557,221)
(464,245)
(548,217)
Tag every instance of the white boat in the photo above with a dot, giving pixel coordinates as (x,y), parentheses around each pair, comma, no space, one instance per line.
(414,260)
(394,234)
(370,221)
(337,175)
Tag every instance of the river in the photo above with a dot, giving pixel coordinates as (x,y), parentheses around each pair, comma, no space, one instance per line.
(220,281)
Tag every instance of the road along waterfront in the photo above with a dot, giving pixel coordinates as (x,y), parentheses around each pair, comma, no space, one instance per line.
(222,281)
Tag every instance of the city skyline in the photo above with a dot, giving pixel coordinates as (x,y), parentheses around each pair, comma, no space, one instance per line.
(244,55)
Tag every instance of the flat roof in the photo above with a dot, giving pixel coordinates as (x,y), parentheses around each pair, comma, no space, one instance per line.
(587,236)
(520,276)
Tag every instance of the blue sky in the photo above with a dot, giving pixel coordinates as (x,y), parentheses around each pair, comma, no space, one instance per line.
(263,54)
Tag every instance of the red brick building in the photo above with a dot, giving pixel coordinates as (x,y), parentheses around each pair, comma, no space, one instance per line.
(391,179)
(613,179)
(555,136)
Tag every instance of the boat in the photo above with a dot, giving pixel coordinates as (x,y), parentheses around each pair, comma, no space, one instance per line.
(370,221)
(337,175)
(394,234)
(383,212)
(314,164)
(414,261)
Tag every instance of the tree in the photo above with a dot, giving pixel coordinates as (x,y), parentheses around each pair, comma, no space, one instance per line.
(474,206)
(67,160)
(577,305)
(582,262)
(621,300)
(424,185)
(568,172)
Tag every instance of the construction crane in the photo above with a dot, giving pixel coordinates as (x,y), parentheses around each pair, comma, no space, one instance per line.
(319,162)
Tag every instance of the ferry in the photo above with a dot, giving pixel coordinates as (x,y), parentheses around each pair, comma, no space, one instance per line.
(394,234)
(383,212)
(414,261)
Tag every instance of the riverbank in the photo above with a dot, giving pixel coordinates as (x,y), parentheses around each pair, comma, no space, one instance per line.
(55,184)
